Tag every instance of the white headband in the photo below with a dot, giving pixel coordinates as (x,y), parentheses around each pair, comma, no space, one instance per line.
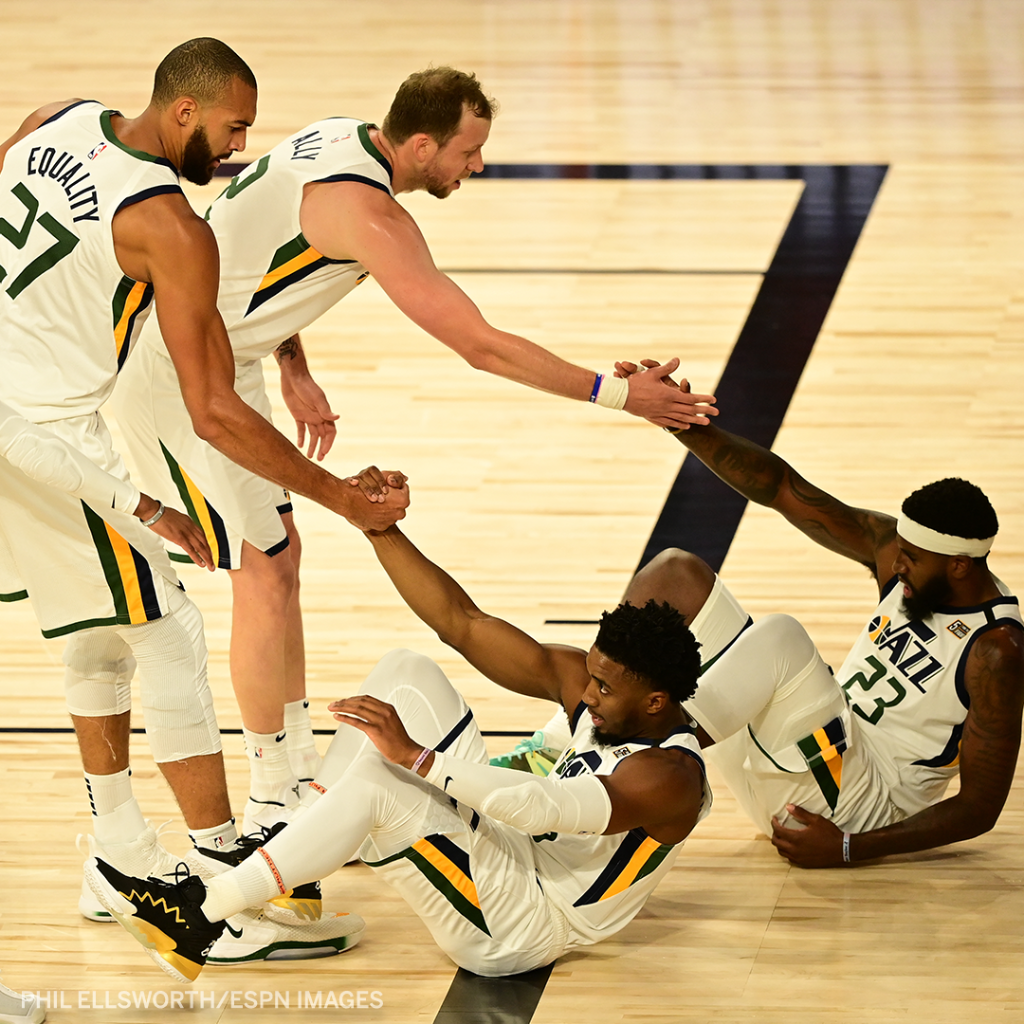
(941,543)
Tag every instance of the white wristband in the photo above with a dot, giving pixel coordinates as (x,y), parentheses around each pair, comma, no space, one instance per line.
(846,847)
(613,392)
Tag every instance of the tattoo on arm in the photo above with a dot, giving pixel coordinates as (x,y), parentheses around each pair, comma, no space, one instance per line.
(289,348)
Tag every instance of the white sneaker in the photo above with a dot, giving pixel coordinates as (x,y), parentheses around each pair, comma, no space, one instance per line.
(19,1008)
(251,936)
(140,858)
(265,814)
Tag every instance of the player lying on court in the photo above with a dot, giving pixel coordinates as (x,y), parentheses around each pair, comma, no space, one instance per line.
(508,871)
(297,231)
(852,767)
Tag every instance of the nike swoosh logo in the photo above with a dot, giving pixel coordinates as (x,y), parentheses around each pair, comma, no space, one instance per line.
(278,739)
(447,779)
(237,934)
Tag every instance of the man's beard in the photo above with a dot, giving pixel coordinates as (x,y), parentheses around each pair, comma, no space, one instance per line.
(197,159)
(923,602)
(607,739)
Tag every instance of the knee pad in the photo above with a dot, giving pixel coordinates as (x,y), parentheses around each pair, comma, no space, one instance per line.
(175,693)
(98,669)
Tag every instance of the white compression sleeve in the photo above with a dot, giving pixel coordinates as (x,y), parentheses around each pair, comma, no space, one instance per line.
(47,459)
(526,802)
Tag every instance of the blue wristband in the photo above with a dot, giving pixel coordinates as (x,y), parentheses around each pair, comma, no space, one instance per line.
(598,380)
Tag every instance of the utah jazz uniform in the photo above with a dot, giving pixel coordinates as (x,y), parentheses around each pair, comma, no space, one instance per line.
(272,285)
(500,902)
(904,681)
(885,738)
(68,320)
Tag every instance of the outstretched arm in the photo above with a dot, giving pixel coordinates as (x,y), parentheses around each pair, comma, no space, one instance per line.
(162,241)
(988,756)
(348,220)
(503,653)
(761,476)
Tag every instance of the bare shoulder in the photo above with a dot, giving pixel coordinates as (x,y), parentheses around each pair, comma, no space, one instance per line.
(158,231)
(995,668)
(342,218)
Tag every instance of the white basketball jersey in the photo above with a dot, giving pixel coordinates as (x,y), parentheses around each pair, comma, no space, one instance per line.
(272,281)
(905,683)
(68,314)
(600,882)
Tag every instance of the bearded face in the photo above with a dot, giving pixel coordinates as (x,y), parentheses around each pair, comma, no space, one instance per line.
(197,160)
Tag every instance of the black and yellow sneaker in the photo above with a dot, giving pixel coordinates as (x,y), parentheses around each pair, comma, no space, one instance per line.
(164,917)
(296,906)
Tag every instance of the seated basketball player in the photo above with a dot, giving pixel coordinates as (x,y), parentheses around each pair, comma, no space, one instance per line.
(508,871)
(854,767)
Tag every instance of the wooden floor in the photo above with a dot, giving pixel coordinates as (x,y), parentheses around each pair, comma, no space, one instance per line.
(542,507)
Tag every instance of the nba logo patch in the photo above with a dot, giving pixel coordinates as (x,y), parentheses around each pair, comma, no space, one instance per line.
(96,150)
(959,629)
(621,752)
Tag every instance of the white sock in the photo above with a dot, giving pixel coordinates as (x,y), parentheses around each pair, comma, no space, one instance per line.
(270,773)
(302,752)
(219,837)
(251,883)
(117,817)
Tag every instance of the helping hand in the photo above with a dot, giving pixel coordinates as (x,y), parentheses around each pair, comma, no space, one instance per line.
(655,396)
(387,498)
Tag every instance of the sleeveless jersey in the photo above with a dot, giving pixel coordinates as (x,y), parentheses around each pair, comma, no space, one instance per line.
(599,883)
(68,314)
(273,282)
(904,681)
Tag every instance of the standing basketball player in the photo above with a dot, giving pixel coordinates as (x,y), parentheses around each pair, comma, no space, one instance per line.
(94,229)
(297,231)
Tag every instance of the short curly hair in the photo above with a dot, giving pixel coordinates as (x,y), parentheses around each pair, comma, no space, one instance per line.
(652,643)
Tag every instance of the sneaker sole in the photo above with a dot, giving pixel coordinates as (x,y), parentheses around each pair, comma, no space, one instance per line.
(239,953)
(158,946)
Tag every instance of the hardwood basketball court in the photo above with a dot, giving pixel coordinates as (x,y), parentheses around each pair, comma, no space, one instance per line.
(543,508)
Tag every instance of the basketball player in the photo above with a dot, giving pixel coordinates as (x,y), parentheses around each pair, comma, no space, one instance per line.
(297,231)
(508,871)
(93,229)
(857,767)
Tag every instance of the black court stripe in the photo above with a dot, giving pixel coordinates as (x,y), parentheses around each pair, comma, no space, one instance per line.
(472,999)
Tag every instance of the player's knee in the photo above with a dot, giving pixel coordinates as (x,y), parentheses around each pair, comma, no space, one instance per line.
(98,671)
(271,580)
(679,577)
(786,631)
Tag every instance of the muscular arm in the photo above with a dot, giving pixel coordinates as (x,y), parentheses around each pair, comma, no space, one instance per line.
(988,756)
(503,653)
(761,476)
(32,122)
(348,220)
(162,241)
